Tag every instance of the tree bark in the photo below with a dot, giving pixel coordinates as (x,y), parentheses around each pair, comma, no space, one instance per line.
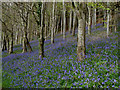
(21,37)
(45,34)
(70,21)
(115,21)
(108,21)
(95,16)
(81,50)
(58,24)
(26,41)
(11,44)
(104,18)
(7,43)
(24,44)
(74,21)
(64,21)
(16,38)
(81,40)
(111,21)
(4,47)
(52,30)
(41,39)
(90,20)
(61,26)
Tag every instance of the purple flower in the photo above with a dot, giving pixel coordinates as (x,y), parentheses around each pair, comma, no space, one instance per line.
(90,75)
(78,76)
(113,85)
(114,80)
(103,83)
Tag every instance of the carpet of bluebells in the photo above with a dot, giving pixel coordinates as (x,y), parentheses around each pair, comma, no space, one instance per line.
(60,68)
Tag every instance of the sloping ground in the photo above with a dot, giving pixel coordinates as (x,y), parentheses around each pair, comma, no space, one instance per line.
(60,67)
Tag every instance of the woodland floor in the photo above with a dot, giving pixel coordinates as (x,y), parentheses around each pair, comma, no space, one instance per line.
(59,68)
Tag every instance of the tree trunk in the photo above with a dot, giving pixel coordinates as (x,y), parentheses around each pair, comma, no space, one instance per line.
(108,19)
(90,20)
(24,44)
(70,21)
(45,34)
(111,21)
(58,24)
(61,26)
(55,19)
(81,50)
(21,37)
(4,43)
(26,41)
(115,21)
(52,30)
(8,45)
(104,18)
(16,38)
(95,16)
(28,44)
(41,40)
(11,44)
(64,23)
(74,21)
(81,40)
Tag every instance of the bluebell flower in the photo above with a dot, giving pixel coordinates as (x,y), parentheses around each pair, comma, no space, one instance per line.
(90,75)
(114,80)
(103,83)
(113,85)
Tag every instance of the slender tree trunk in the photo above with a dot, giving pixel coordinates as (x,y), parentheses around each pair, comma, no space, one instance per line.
(104,18)
(70,21)
(28,44)
(55,19)
(4,43)
(41,40)
(64,23)
(108,20)
(61,26)
(90,20)
(45,34)
(115,21)
(111,21)
(26,41)
(16,38)
(58,24)
(52,30)
(24,44)
(11,44)
(8,45)
(95,16)
(74,21)
(21,37)
(49,27)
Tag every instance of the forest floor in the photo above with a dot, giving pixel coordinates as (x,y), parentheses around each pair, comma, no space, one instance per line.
(59,68)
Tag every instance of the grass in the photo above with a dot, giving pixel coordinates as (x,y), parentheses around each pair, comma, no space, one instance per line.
(59,68)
